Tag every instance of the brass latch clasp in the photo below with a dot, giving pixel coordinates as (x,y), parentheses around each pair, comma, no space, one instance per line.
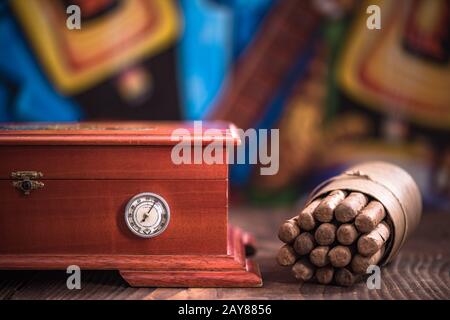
(26,182)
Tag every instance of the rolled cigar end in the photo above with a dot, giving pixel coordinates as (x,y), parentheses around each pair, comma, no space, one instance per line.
(325,234)
(286,256)
(303,270)
(325,275)
(340,256)
(304,243)
(368,244)
(324,211)
(306,219)
(370,217)
(350,207)
(361,263)
(288,231)
(319,256)
(345,277)
(346,234)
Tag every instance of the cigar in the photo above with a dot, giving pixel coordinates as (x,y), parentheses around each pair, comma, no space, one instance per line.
(344,277)
(370,243)
(304,243)
(303,270)
(370,217)
(350,207)
(289,230)
(361,263)
(306,219)
(324,275)
(340,256)
(324,212)
(346,234)
(286,256)
(319,256)
(325,234)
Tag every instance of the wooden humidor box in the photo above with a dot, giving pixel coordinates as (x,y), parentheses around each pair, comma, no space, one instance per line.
(83,179)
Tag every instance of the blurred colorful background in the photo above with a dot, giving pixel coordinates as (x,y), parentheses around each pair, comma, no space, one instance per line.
(339,92)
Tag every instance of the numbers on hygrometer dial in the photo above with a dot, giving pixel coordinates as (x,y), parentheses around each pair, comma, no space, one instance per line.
(147,215)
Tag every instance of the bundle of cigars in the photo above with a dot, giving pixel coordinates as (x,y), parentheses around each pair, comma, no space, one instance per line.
(351,222)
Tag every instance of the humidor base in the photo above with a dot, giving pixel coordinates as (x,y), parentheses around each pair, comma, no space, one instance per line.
(231,270)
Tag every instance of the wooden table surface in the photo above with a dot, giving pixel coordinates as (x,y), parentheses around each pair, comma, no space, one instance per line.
(421,271)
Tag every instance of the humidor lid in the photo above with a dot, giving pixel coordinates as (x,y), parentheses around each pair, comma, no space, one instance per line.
(118,133)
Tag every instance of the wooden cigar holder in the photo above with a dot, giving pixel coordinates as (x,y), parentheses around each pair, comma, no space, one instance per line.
(109,196)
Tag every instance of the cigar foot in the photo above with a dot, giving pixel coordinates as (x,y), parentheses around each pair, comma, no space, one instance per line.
(340,256)
(361,263)
(286,256)
(303,270)
(288,231)
(324,212)
(325,275)
(370,217)
(304,243)
(350,207)
(345,277)
(346,234)
(368,244)
(306,219)
(319,256)
(325,234)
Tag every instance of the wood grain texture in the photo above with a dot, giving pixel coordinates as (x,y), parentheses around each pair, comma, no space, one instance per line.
(118,133)
(248,277)
(421,271)
(243,273)
(228,270)
(112,262)
(50,285)
(13,283)
(103,162)
(87,217)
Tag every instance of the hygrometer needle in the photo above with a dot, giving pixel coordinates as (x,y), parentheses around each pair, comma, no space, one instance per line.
(146,214)
(151,207)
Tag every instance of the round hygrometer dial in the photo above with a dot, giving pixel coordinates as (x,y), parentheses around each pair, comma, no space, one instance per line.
(147,215)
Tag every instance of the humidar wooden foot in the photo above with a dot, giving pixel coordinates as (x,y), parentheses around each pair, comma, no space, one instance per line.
(242,273)
(247,277)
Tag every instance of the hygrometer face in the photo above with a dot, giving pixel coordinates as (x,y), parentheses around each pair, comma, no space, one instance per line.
(147,215)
